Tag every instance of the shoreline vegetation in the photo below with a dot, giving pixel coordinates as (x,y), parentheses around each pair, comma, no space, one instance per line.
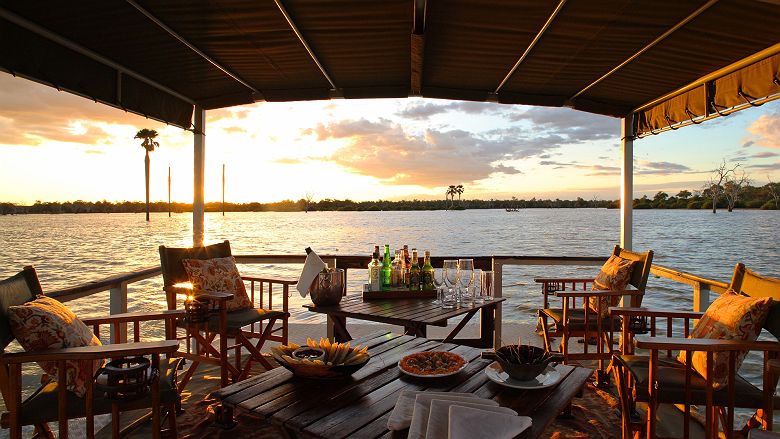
(763,197)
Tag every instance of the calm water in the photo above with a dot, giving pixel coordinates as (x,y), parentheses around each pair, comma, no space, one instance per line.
(73,249)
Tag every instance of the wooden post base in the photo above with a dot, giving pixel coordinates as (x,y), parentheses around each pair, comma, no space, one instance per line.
(224,417)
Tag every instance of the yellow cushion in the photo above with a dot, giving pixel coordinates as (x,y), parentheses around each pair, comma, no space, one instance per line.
(731,316)
(45,323)
(614,276)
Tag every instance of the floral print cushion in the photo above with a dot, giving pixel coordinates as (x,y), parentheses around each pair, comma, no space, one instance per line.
(45,323)
(731,316)
(614,276)
(218,275)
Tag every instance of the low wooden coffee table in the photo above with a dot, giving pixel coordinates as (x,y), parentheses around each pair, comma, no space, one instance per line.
(415,315)
(359,406)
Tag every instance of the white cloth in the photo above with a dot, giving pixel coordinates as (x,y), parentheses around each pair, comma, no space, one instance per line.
(473,423)
(311,268)
(439,416)
(422,406)
(401,417)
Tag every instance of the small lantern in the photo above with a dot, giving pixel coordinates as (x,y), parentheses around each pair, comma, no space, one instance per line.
(125,379)
(197,310)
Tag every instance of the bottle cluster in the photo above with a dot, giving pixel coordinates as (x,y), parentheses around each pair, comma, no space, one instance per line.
(402,271)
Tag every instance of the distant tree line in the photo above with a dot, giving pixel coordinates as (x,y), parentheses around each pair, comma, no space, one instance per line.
(764,197)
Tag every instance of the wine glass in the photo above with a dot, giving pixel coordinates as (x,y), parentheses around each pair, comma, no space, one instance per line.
(465,280)
(438,284)
(476,286)
(449,297)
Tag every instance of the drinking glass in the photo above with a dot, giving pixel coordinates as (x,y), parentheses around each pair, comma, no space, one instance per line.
(486,286)
(449,298)
(438,283)
(465,280)
(476,286)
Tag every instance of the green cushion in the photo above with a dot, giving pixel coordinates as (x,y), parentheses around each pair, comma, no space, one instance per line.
(240,318)
(42,405)
(671,383)
(577,319)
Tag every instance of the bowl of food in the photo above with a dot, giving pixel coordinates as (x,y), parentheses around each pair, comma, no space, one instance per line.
(523,362)
(321,359)
(432,364)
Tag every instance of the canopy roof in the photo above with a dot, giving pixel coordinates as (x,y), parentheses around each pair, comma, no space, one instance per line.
(668,61)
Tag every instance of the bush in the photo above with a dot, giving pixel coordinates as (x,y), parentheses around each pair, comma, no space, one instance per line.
(769,205)
(694,205)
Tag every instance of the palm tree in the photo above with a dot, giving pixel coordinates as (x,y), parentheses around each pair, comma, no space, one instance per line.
(459,190)
(451,191)
(149,145)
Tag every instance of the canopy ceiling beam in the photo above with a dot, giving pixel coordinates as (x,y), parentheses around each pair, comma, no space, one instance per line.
(531,46)
(647,47)
(417,51)
(298,34)
(45,33)
(192,47)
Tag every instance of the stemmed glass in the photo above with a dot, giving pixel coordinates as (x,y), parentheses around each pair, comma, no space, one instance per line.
(449,297)
(476,286)
(438,283)
(465,279)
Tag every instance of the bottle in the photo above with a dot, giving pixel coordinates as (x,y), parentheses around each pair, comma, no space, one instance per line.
(397,276)
(375,273)
(387,270)
(406,256)
(414,272)
(427,272)
(407,264)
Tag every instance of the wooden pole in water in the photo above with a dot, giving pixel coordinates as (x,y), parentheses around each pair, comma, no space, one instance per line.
(169,191)
(223,189)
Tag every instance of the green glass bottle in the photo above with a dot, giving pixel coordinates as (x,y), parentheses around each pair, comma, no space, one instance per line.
(387,270)
(414,272)
(427,272)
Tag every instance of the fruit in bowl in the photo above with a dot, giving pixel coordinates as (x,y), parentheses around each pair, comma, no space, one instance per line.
(523,362)
(321,359)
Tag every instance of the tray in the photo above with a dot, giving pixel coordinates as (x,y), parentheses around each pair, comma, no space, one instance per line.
(397,293)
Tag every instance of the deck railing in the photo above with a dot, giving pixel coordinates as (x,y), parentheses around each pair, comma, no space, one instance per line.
(117,285)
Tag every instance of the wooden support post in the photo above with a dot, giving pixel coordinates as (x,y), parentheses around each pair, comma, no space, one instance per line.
(498,269)
(118,305)
(198,177)
(627,182)
(701,297)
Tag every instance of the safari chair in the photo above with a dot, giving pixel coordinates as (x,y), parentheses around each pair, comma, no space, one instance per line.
(54,403)
(244,326)
(658,378)
(575,319)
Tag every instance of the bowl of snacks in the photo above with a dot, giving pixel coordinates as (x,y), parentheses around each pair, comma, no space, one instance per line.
(432,364)
(523,362)
(321,359)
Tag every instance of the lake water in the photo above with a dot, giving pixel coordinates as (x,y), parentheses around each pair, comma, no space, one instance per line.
(72,249)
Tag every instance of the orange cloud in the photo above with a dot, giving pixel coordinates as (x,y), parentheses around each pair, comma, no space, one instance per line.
(766,130)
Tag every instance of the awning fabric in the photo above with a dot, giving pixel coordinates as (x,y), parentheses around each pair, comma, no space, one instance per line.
(463,49)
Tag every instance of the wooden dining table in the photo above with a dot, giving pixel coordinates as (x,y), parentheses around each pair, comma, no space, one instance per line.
(358,406)
(413,314)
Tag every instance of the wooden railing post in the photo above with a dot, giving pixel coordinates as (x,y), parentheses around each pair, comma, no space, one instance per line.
(118,305)
(701,297)
(498,269)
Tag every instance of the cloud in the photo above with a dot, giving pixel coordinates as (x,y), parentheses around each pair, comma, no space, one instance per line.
(661,168)
(642,168)
(289,161)
(765,131)
(766,166)
(575,125)
(385,150)
(31,114)
(425,110)
(765,154)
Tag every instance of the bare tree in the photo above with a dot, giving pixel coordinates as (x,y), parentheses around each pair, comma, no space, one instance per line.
(733,188)
(309,198)
(774,191)
(715,181)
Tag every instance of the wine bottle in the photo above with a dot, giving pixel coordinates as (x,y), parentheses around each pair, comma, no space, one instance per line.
(414,272)
(387,270)
(427,272)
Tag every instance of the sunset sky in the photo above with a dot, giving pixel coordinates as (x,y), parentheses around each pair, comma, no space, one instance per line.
(55,146)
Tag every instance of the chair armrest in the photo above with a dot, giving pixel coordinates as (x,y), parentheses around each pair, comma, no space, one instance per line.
(94,352)
(651,312)
(598,293)
(178,290)
(134,317)
(703,344)
(562,279)
(271,280)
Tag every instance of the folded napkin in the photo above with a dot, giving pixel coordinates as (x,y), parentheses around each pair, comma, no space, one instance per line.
(401,417)
(422,406)
(439,416)
(472,423)
(311,268)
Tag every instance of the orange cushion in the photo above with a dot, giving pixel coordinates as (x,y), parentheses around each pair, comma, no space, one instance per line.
(731,316)
(218,275)
(614,276)
(45,323)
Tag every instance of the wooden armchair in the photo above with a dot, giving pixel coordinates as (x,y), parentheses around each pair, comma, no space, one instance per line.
(54,403)
(575,319)
(658,378)
(244,326)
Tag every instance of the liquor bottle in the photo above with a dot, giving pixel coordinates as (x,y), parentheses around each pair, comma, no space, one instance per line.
(414,272)
(375,273)
(398,269)
(376,250)
(427,272)
(387,269)
(406,256)
(407,264)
